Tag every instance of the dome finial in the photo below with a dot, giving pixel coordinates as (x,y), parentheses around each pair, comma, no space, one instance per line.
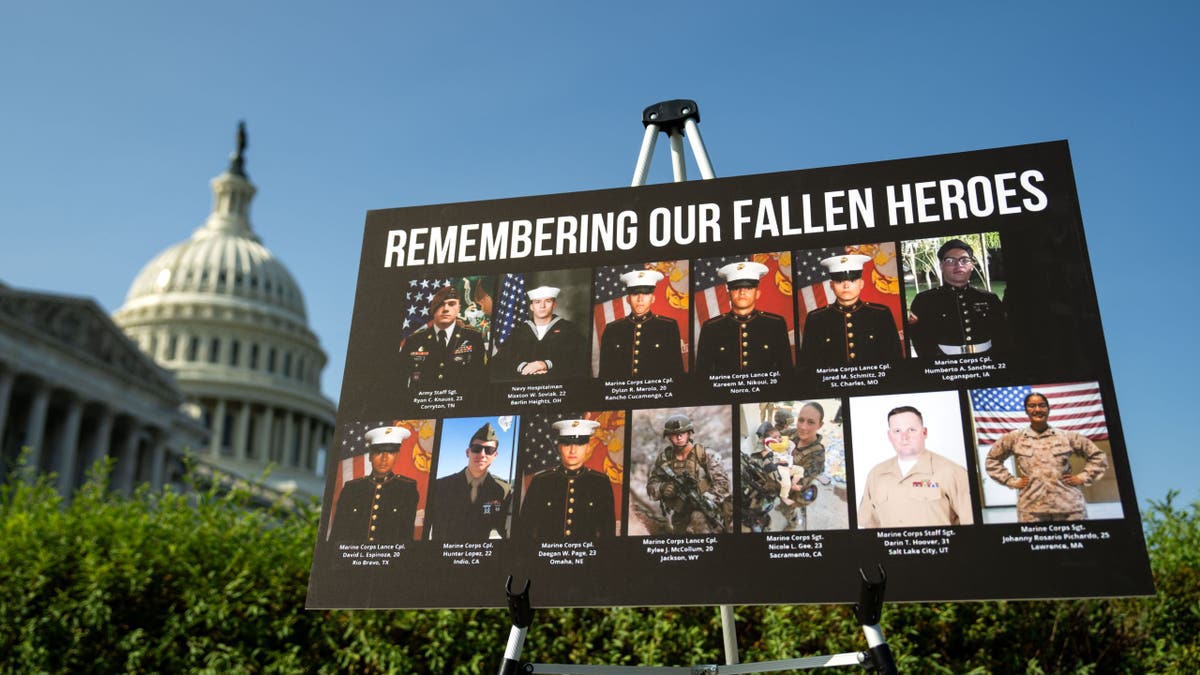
(237,163)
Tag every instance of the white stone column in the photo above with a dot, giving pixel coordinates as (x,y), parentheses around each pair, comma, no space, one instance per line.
(35,425)
(7,377)
(305,435)
(217,430)
(263,442)
(67,452)
(289,436)
(98,444)
(240,431)
(158,459)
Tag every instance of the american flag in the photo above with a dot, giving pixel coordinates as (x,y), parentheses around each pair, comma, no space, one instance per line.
(412,461)
(539,445)
(611,302)
(417,297)
(510,309)
(1073,407)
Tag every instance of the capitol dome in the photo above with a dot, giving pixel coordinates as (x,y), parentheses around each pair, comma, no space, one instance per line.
(225,315)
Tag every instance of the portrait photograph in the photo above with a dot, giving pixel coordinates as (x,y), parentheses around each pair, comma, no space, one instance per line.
(909,461)
(744,318)
(848,305)
(640,321)
(381,483)
(680,480)
(445,333)
(954,288)
(571,468)
(472,492)
(541,326)
(1044,453)
(792,466)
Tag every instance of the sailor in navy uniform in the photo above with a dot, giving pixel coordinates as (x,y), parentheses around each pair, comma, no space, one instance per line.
(848,331)
(444,353)
(570,501)
(641,344)
(545,346)
(957,318)
(744,339)
(380,508)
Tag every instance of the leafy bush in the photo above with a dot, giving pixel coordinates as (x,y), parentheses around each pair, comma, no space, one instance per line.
(203,582)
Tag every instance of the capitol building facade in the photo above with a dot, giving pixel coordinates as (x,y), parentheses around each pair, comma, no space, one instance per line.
(224,342)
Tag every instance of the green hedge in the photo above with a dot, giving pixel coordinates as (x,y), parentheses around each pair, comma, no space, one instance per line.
(198,582)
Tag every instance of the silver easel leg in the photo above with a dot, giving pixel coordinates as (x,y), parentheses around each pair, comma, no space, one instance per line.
(676,119)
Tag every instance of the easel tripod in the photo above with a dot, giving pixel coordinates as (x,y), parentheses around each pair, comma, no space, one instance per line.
(675,118)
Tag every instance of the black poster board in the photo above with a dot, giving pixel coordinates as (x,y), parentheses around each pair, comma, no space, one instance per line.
(941,526)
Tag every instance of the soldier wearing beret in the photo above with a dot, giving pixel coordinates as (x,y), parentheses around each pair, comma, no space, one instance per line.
(849,331)
(570,501)
(380,508)
(957,318)
(473,503)
(545,346)
(444,353)
(642,343)
(744,339)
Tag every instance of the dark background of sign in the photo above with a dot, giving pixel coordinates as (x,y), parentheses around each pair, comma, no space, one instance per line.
(1052,311)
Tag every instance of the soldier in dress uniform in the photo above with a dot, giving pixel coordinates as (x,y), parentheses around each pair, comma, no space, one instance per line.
(849,331)
(917,487)
(473,503)
(745,339)
(957,318)
(444,352)
(545,346)
(641,344)
(380,508)
(1048,488)
(689,482)
(570,501)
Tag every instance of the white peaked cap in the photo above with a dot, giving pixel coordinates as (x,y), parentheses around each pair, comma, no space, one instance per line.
(742,271)
(543,292)
(569,428)
(387,435)
(641,279)
(850,262)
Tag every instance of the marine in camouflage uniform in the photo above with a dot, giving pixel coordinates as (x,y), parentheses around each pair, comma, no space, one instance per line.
(1048,489)
(689,462)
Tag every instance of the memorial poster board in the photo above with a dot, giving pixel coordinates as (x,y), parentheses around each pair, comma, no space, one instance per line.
(734,391)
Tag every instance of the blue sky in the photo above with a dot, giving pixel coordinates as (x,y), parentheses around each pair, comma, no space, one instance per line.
(114,116)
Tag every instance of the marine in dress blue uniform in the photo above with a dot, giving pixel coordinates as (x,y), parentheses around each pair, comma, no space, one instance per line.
(848,331)
(743,339)
(957,318)
(380,508)
(570,501)
(641,344)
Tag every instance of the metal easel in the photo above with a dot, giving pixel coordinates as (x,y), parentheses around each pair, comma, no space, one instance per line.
(677,118)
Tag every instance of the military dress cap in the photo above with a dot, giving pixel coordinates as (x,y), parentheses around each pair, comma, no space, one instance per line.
(677,424)
(486,433)
(953,244)
(846,267)
(574,432)
(380,438)
(742,274)
(441,296)
(543,292)
(641,281)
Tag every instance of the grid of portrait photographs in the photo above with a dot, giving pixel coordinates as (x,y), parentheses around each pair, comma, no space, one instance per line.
(727,420)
